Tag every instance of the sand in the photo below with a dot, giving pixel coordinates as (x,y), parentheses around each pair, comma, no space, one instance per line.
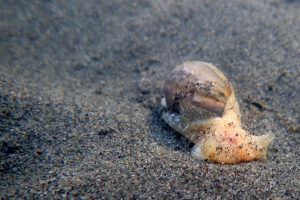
(80,91)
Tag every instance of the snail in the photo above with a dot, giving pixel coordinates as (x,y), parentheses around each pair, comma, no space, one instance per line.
(201,105)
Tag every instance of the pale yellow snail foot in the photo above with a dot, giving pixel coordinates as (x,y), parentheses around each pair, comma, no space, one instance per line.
(228,144)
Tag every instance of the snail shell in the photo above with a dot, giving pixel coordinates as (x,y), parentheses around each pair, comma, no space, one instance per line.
(201,105)
(197,88)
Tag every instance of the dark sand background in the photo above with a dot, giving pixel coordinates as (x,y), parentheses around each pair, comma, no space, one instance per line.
(80,112)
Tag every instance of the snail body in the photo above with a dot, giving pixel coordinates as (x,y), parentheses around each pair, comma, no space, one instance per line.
(201,105)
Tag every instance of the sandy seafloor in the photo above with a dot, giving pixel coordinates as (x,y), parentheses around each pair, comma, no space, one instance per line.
(80,112)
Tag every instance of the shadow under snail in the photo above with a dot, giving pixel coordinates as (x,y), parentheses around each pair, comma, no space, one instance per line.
(201,105)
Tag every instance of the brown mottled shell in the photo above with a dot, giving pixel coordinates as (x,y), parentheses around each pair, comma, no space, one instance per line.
(197,88)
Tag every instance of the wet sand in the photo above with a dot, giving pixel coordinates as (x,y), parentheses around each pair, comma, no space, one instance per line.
(80,90)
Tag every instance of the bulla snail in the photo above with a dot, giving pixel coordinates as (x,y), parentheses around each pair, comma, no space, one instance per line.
(201,105)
